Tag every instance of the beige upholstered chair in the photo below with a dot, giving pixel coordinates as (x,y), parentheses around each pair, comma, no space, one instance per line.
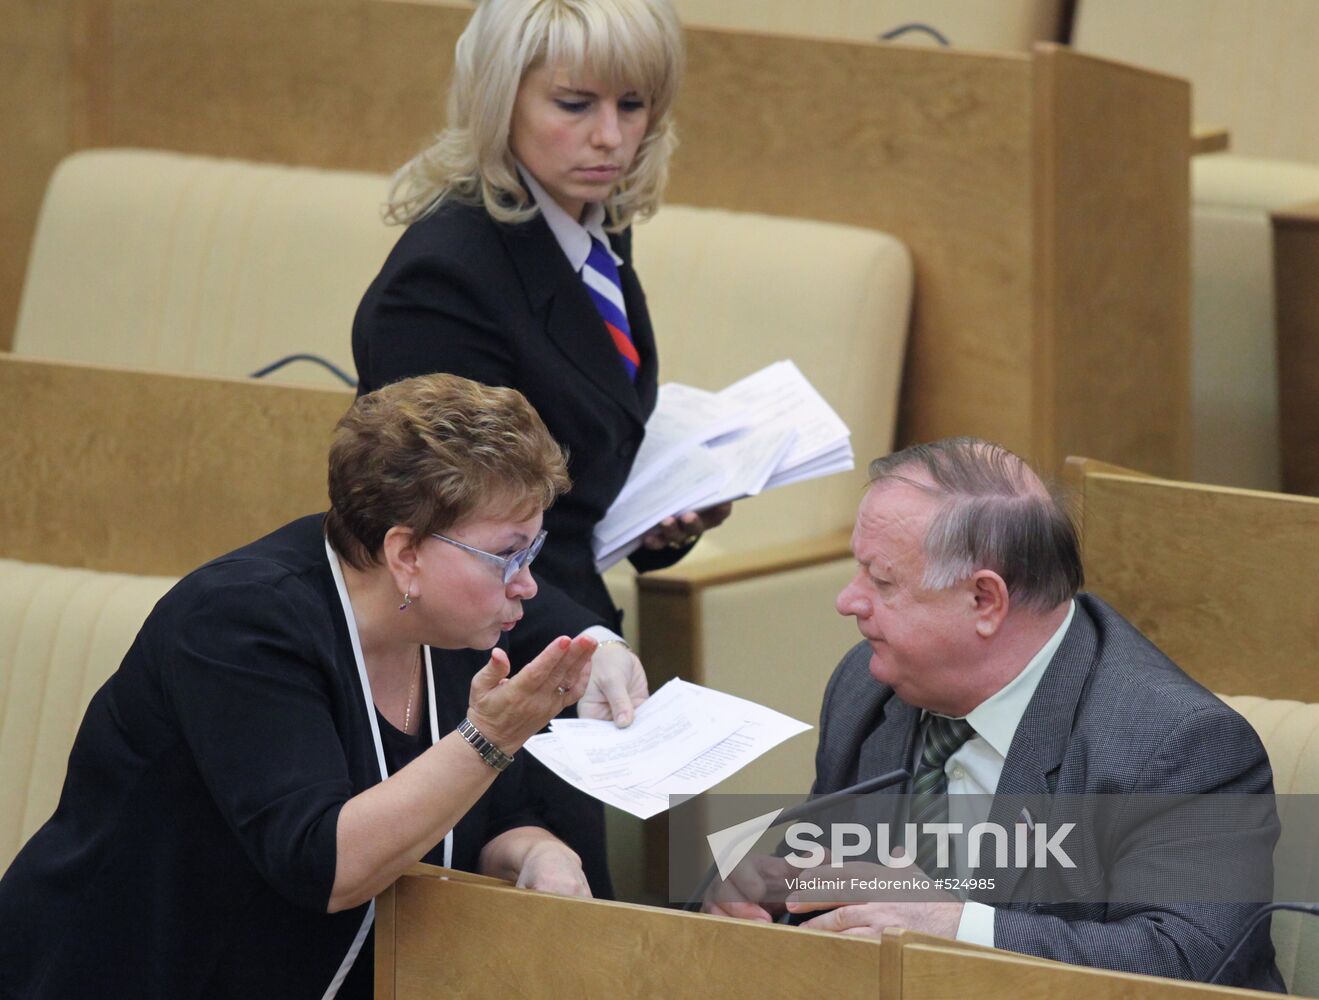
(163,261)
(62,633)
(1251,73)
(1290,732)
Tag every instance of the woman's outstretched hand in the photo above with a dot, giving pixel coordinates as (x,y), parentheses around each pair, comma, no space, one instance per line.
(509,710)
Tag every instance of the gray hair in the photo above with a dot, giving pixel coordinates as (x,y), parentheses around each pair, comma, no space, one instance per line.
(994,513)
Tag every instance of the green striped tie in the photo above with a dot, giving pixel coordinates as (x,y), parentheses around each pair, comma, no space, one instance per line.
(929,791)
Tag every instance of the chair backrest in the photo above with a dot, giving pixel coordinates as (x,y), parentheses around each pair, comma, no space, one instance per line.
(732,292)
(163,261)
(159,260)
(991,25)
(1218,577)
(1290,732)
(62,633)
(1251,65)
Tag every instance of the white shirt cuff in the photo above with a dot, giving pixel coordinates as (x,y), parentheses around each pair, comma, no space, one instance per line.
(599,633)
(977,924)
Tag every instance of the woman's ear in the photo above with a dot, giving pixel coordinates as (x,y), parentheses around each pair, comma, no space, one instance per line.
(991,602)
(399,554)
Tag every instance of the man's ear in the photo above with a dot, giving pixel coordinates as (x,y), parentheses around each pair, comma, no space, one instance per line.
(399,553)
(992,602)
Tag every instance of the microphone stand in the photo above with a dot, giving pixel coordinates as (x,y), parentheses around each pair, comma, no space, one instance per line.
(808,808)
(1254,922)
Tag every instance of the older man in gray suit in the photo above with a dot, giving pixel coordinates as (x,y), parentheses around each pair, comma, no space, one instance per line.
(983,670)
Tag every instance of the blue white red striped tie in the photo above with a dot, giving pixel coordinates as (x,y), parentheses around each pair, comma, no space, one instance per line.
(600,275)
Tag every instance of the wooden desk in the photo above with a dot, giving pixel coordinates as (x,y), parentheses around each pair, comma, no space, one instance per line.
(1296,285)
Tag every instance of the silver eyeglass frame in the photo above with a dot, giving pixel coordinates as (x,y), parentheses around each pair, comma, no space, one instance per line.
(509,566)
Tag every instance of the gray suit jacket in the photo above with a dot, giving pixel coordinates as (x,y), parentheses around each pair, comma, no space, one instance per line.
(1111,716)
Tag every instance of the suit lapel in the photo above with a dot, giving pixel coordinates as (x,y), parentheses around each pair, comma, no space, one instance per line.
(1042,736)
(571,321)
(892,738)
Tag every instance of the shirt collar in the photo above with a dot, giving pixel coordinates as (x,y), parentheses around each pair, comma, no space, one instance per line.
(573,237)
(997,717)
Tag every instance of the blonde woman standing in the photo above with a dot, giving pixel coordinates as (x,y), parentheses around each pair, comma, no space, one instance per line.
(516,270)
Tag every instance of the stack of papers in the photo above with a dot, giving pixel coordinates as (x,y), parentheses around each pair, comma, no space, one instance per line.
(684,740)
(703,448)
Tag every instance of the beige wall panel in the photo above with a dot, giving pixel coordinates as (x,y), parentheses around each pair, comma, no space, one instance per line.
(35,107)
(143,472)
(1210,574)
(1252,63)
(1113,287)
(949,175)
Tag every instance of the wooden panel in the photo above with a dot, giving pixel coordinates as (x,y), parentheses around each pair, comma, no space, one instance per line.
(35,96)
(948,971)
(144,472)
(462,940)
(333,83)
(1112,352)
(1218,578)
(932,147)
(1296,279)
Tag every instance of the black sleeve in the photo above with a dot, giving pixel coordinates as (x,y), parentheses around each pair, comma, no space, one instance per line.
(428,315)
(255,711)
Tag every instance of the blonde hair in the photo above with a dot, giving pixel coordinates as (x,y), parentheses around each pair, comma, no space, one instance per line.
(626,44)
(431,452)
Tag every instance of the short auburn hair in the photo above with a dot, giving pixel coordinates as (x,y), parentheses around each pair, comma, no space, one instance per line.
(430,452)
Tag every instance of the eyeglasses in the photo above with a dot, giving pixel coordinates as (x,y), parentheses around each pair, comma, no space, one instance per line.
(508,566)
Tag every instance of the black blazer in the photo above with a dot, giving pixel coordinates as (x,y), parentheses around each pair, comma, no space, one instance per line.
(1112,716)
(500,304)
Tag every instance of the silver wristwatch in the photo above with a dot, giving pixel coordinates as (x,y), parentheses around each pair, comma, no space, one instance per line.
(490,753)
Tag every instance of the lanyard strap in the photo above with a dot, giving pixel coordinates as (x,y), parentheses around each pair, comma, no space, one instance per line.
(337,570)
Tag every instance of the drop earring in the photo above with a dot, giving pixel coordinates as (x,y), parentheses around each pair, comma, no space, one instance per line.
(407,601)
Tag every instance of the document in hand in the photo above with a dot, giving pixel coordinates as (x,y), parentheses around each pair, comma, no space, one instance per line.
(702,448)
(684,740)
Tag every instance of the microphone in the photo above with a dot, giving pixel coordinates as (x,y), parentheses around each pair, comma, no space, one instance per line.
(1254,922)
(808,808)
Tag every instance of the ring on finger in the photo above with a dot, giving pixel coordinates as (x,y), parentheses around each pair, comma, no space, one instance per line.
(561,690)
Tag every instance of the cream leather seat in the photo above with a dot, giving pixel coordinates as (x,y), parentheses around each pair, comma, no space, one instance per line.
(1290,733)
(62,633)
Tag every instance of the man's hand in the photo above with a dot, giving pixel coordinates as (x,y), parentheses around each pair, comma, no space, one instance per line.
(860,912)
(870,919)
(617,685)
(754,890)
